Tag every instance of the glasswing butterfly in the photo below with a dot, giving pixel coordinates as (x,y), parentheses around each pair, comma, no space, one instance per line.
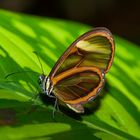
(79,74)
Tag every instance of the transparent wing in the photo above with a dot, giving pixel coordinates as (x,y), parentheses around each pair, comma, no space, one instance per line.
(95,49)
(78,75)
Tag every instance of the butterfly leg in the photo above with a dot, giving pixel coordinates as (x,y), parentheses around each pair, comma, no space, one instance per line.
(54,108)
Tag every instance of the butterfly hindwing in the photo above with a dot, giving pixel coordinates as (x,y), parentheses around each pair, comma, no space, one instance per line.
(78,85)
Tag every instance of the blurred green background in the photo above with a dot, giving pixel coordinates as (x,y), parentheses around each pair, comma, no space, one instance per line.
(115,113)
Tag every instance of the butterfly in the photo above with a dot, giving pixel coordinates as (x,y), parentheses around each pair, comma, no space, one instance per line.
(78,76)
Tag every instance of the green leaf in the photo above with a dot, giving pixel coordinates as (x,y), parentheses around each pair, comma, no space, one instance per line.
(116,113)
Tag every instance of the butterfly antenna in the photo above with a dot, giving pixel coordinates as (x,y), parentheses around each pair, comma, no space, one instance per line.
(18,72)
(39,61)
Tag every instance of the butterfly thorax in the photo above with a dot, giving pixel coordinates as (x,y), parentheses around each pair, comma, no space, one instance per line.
(45,84)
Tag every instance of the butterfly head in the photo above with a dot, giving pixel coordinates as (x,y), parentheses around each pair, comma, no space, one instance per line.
(41,79)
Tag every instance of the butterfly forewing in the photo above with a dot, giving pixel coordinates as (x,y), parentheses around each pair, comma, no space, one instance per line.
(95,48)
